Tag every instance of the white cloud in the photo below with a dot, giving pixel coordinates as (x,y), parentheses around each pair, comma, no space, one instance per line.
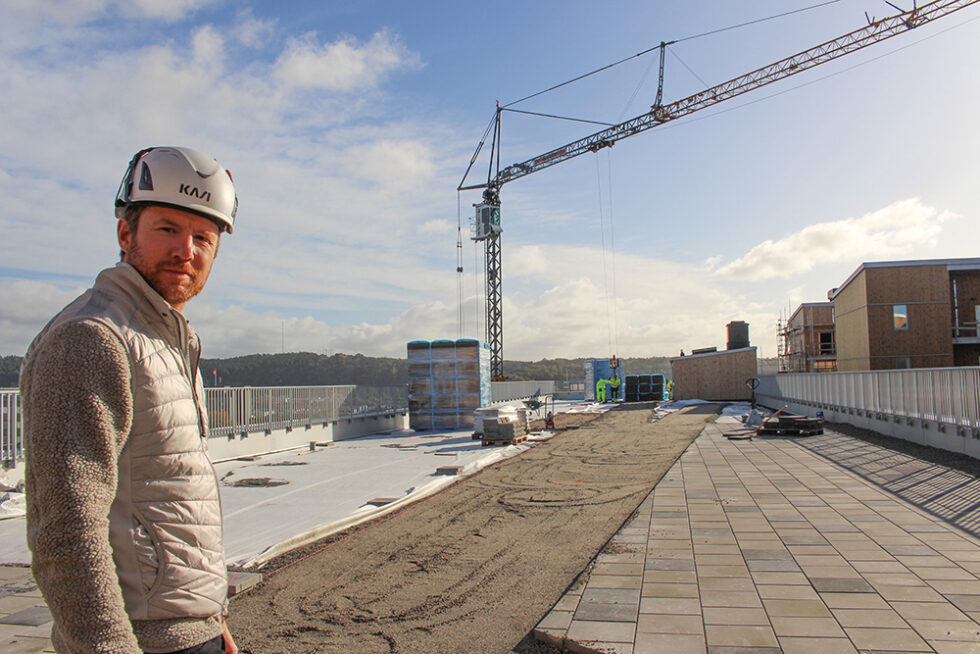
(713,262)
(437,226)
(75,12)
(393,165)
(25,307)
(343,65)
(314,199)
(899,229)
(209,51)
(528,260)
(170,10)
(659,308)
(252,32)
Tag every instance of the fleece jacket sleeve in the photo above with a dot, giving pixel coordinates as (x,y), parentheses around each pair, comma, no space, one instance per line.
(78,411)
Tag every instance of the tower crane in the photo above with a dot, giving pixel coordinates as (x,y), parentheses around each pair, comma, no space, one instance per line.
(487,226)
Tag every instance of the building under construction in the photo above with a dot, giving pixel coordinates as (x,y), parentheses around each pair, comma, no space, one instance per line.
(806,339)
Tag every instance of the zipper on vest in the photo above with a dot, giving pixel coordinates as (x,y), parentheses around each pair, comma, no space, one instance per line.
(190,369)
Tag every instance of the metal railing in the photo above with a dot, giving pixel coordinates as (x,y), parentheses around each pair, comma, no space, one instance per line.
(11,430)
(251,409)
(247,409)
(966,330)
(949,396)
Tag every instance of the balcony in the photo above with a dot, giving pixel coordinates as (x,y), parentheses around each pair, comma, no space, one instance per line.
(965,333)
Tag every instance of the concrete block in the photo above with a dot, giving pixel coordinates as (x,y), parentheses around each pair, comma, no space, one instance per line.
(239,582)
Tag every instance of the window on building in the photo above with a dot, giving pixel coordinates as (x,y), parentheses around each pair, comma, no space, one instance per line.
(826,343)
(902,363)
(900,315)
(824,366)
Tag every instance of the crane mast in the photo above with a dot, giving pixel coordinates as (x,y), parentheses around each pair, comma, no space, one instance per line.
(874,32)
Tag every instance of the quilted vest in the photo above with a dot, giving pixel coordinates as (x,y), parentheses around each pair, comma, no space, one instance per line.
(165,523)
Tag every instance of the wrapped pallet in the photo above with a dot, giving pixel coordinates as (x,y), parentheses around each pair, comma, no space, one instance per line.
(447,380)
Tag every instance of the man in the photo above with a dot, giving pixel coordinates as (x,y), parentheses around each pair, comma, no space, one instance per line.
(123,511)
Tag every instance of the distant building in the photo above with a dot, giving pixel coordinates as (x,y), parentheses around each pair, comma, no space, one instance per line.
(708,374)
(908,314)
(714,375)
(807,339)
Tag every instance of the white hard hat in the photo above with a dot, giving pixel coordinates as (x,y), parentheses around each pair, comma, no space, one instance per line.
(182,178)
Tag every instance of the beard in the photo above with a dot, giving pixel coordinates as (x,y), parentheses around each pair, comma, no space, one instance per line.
(154,273)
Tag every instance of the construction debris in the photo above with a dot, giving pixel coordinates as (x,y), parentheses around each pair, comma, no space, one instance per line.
(786,424)
(257,482)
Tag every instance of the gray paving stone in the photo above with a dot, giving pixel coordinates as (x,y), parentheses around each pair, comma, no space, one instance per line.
(610,596)
(600,611)
(770,565)
(34,616)
(803,539)
(965,603)
(767,555)
(910,550)
(670,564)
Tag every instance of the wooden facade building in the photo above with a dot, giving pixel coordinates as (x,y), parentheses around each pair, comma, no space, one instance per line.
(908,314)
(714,375)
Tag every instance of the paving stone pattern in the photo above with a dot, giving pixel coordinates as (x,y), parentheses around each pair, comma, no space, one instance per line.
(785,545)
(25,623)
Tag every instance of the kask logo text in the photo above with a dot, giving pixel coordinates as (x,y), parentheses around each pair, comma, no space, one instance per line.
(194,192)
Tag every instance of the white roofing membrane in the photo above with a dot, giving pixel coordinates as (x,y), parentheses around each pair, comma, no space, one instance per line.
(328,489)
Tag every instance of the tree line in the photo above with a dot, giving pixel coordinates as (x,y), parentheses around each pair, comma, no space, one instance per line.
(309,369)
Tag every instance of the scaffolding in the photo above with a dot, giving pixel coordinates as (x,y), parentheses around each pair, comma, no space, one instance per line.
(806,343)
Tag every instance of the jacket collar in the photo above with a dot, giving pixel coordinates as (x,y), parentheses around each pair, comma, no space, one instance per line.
(128,280)
(123,278)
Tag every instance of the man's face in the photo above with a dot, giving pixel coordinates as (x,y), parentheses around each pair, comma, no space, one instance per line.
(173,250)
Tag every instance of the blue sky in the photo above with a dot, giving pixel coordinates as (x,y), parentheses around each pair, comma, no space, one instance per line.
(348,127)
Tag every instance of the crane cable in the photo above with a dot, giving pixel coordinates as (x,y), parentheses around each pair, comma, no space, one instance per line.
(612,243)
(460,316)
(481,307)
(611,327)
(460,277)
(651,49)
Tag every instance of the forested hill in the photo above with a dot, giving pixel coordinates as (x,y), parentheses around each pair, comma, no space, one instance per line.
(574,369)
(303,369)
(9,371)
(308,369)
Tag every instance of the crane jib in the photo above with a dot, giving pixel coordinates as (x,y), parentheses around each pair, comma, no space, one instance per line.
(858,39)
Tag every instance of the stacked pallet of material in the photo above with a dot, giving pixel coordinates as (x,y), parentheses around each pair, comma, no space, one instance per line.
(445,403)
(790,425)
(419,385)
(644,388)
(509,426)
(447,380)
(472,379)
